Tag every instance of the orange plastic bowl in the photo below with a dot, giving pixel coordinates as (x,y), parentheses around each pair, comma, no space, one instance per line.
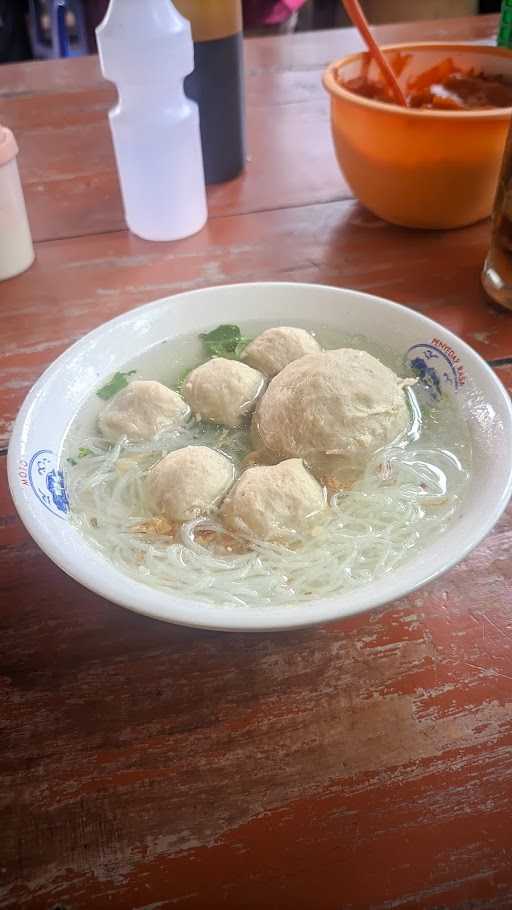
(420,168)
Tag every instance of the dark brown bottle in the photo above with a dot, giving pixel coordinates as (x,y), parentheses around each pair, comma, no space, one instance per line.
(217,83)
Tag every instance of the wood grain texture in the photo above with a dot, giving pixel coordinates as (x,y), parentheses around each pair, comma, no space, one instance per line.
(66,156)
(78,283)
(79,193)
(505,374)
(286,54)
(365,765)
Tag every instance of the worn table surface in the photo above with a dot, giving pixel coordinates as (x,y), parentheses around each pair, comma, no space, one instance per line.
(366,765)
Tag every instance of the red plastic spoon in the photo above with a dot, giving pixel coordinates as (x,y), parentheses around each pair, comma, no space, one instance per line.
(358,18)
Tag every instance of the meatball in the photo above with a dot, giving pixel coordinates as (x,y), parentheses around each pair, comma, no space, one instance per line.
(270,503)
(189,482)
(274,349)
(223,390)
(141,410)
(341,402)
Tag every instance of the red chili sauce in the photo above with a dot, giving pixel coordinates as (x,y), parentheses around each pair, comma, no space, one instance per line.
(443,87)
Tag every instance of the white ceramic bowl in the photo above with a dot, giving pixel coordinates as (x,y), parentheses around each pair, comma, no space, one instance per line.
(57,396)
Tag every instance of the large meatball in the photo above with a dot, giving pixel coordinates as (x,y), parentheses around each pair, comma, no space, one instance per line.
(223,390)
(189,482)
(141,410)
(270,503)
(341,402)
(275,348)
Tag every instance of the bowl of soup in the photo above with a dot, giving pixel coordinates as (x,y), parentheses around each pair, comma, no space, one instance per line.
(435,163)
(262,456)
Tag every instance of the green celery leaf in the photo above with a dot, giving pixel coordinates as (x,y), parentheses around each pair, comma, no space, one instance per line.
(118,382)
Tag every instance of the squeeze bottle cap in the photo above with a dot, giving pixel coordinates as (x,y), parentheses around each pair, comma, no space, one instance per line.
(8,145)
(130,28)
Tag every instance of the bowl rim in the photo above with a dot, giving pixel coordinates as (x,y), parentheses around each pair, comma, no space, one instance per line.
(333,87)
(188,612)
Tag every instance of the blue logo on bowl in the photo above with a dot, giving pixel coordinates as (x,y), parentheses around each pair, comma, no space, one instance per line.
(47,482)
(437,366)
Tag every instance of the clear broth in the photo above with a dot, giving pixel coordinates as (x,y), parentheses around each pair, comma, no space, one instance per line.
(410,492)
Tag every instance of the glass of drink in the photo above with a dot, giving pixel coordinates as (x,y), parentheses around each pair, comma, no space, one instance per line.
(497,271)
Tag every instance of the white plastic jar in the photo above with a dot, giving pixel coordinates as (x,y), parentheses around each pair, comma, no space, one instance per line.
(16,249)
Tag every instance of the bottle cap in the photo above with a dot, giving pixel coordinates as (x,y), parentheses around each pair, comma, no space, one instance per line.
(144,44)
(8,145)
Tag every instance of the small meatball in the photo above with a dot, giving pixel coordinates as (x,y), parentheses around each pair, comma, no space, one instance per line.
(274,349)
(141,410)
(270,503)
(343,402)
(223,391)
(189,482)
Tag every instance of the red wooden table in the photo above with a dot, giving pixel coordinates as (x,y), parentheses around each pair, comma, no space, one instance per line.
(365,765)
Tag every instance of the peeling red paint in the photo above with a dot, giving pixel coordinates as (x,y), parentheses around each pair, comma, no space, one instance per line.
(365,765)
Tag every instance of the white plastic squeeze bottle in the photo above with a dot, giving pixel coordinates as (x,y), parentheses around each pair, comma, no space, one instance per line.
(146,49)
